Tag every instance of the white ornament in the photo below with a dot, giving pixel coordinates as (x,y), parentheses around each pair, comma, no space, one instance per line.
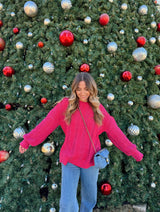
(108,142)
(30,66)
(112,47)
(27,88)
(52,210)
(139,78)
(110,97)
(150,118)
(87,20)
(152,40)
(66,4)
(139,54)
(153,185)
(154,101)
(153,24)
(124,6)
(133,130)
(47,21)
(143,10)
(1,6)
(48,67)
(54,186)
(19,45)
(30,9)
(30,34)
(18,133)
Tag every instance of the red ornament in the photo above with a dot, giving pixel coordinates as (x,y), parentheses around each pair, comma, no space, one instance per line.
(8,107)
(104,19)
(15,30)
(4,155)
(66,38)
(40,44)
(126,76)
(84,68)
(106,189)
(1,23)
(157,69)
(2,44)
(158,136)
(141,41)
(8,71)
(43,100)
(158,27)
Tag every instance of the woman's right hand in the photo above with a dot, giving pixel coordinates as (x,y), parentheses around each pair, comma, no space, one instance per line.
(22,150)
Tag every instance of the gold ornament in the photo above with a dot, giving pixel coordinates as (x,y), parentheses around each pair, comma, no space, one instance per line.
(48,149)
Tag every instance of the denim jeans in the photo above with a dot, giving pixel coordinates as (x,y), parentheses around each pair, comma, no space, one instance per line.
(70,178)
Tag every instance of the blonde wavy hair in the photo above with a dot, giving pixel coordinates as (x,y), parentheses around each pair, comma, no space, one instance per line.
(93,98)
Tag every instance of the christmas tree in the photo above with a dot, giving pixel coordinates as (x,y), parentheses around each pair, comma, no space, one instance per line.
(43,45)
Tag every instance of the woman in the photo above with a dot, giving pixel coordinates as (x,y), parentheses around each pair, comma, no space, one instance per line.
(76,154)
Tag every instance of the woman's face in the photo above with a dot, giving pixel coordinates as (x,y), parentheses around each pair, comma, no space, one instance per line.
(82,92)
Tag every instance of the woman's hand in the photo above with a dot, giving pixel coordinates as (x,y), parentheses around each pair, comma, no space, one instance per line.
(22,150)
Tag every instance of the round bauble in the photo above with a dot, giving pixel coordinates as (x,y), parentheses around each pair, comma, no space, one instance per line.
(54,186)
(104,19)
(84,68)
(66,4)
(87,20)
(64,87)
(108,142)
(124,6)
(8,107)
(66,38)
(139,54)
(30,9)
(2,44)
(16,30)
(112,47)
(40,44)
(1,23)
(19,45)
(48,149)
(153,24)
(158,27)
(18,133)
(157,69)
(106,189)
(150,118)
(143,10)
(133,130)
(152,40)
(4,155)
(46,21)
(130,103)
(48,67)
(8,71)
(52,210)
(1,6)
(141,41)
(44,100)
(27,88)
(110,97)
(126,76)
(154,101)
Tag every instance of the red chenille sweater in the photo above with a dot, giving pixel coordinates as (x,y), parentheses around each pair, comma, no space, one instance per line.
(77,147)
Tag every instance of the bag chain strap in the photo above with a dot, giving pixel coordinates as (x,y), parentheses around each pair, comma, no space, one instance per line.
(87,130)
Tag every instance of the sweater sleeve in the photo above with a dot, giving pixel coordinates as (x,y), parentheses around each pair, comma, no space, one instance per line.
(118,138)
(46,126)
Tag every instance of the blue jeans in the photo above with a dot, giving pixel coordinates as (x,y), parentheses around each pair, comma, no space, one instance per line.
(70,178)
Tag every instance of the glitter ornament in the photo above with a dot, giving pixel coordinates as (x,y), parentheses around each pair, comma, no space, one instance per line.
(104,19)
(8,71)
(152,40)
(66,38)
(126,76)
(66,4)
(8,107)
(27,88)
(139,54)
(4,155)
(19,45)
(54,186)
(154,101)
(48,149)
(87,20)
(16,30)
(133,130)
(46,21)
(44,100)
(106,189)
(112,47)
(84,68)
(143,10)
(153,24)
(108,142)
(30,9)
(124,6)
(110,97)
(48,67)
(141,41)
(18,133)
(2,44)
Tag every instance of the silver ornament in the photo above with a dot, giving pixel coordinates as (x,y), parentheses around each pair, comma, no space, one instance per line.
(136,30)
(152,40)
(87,20)
(30,34)
(66,4)
(64,87)
(101,75)
(54,186)
(150,118)
(130,103)
(139,78)
(143,10)
(47,21)
(48,149)
(153,24)
(140,208)
(124,6)
(27,88)
(153,185)
(108,142)
(18,133)
(19,45)
(110,97)
(52,210)
(112,47)
(1,6)
(154,101)
(139,54)
(158,39)
(121,32)
(12,14)
(30,66)
(157,82)
(133,130)
(30,9)
(48,67)
(85,41)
